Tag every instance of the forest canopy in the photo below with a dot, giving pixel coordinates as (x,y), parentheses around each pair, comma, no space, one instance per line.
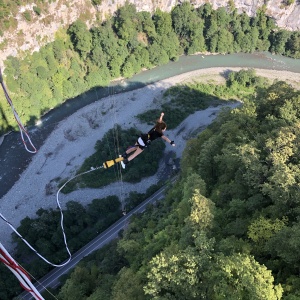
(228,229)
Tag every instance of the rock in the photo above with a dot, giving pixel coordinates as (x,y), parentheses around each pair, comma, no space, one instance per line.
(40,31)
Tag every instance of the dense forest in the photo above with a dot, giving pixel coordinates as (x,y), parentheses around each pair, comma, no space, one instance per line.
(228,229)
(81,59)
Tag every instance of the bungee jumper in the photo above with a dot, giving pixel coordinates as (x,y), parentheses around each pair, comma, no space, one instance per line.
(142,142)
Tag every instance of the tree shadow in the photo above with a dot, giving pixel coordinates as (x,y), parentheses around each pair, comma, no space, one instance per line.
(4,125)
(226,73)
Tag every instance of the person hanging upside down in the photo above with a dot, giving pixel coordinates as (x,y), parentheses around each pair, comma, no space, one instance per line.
(145,140)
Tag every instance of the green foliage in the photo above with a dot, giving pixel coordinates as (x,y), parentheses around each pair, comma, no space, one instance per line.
(189,27)
(241,277)
(262,229)
(27,15)
(173,275)
(37,10)
(202,212)
(84,58)
(9,285)
(200,96)
(81,225)
(293,45)
(125,289)
(232,220)
(81,38)
(97,2)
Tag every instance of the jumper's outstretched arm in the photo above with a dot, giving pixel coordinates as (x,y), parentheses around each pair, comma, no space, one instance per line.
(161,117)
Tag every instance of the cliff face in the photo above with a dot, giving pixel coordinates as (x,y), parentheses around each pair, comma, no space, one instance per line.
(287,17)
(30,36)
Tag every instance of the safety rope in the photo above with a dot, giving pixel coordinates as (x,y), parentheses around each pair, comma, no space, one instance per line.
(117,147)
(19,272)
(61,224)
(23,131)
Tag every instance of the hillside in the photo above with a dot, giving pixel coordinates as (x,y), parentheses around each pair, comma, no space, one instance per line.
(28,28)
(229,228)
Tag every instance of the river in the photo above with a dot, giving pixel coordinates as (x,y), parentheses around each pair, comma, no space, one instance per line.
(13,157)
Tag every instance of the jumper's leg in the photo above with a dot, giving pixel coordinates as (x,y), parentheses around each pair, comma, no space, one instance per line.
(135,154)
(131,149)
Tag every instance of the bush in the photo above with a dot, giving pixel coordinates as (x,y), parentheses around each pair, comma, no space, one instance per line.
(37,10)
(96,2)
(27,15)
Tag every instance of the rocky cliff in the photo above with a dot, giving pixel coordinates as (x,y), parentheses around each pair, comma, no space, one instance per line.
(31,35)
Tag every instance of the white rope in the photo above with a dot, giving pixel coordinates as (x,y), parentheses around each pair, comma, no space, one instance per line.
(19,122)
(117,150)
(61,224)
(19,272)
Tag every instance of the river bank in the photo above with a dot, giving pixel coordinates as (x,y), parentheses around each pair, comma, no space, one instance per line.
(74,138)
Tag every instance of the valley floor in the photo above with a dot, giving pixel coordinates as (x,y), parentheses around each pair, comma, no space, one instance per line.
(74,139)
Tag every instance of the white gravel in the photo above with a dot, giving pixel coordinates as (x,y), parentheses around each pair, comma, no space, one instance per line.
(60,156)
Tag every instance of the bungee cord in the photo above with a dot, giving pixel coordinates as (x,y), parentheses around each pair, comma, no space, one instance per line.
(117,149)
(23,131)
(61,224)
(19,272)
(105,165)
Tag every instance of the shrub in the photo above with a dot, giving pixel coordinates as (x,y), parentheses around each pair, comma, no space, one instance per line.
(37,10)
(27,15)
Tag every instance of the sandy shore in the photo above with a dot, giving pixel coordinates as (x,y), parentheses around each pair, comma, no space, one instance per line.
(74,138)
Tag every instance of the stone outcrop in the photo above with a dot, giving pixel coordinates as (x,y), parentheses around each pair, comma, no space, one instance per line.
(30,36)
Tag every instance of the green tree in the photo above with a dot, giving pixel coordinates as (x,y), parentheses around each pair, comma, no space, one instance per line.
(262,229)
(125,289)
(148,27)
(126,23)
(183,17)
(279,41)
(225,41)
(162,22)
(130,66)
(189,27)
(157,55)
(81,38)
(98,78)
(80,285)
(293,45)
(59,49)
(202,212)
(285,244)
(241,277)
(173,276)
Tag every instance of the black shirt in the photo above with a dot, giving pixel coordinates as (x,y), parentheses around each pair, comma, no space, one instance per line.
(151,136)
